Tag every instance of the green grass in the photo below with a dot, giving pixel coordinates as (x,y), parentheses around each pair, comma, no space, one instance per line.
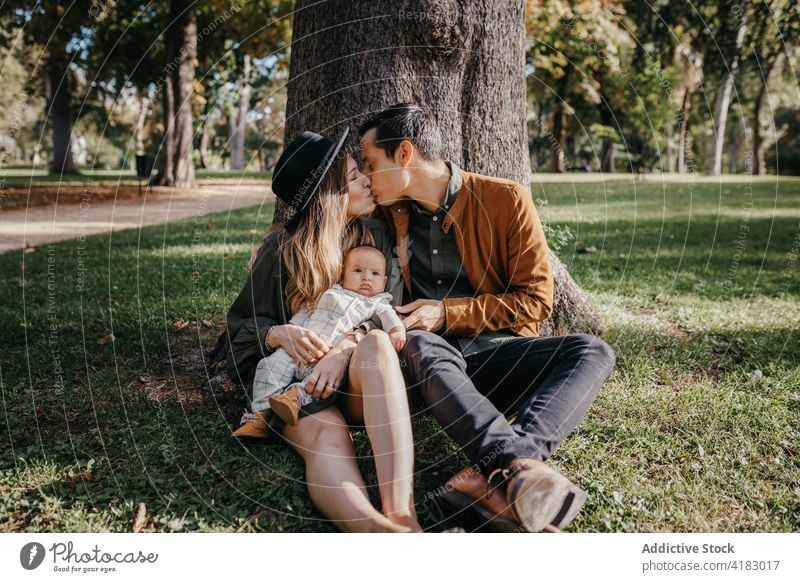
(697,429)
(25,177)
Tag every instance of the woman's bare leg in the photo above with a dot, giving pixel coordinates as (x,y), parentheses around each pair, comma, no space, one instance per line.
(376,395)
(334,481)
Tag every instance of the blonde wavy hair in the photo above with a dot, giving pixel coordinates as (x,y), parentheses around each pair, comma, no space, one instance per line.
(312,253)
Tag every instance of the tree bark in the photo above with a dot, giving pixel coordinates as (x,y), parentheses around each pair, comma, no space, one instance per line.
(733,149)
(683,127)
(59,96)
(759,163)
(141,119)
(558,139)
(607,164)
(758,148)
(464,60)
(237,137)
(177,164)
(203,146)
(723,101)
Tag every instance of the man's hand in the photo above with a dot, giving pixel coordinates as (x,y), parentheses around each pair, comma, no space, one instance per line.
(397,335)
(424,314)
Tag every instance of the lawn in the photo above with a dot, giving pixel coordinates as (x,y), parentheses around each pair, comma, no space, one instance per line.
(25,177)
(697,429)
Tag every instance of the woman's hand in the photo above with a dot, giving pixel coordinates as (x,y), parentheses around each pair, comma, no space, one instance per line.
(303,345)
(329,372)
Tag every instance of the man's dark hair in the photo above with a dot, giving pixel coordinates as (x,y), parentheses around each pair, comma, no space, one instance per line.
(406,121)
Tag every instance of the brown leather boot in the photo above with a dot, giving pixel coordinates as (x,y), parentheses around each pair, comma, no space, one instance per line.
(287,406)
(538,495)
(469,492)
(253,427)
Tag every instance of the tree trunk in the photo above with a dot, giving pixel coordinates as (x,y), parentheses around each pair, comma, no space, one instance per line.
(205,137)
(237,138)
(141,119)
(59,95)
(464,60)
(177,164)
(759,163)
(607,164)
(670,151)
(558,138)
(758,143)
(723,101)
(683,128)
(733,149)
(203,146)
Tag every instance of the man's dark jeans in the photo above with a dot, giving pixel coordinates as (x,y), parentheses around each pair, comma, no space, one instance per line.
(548,383)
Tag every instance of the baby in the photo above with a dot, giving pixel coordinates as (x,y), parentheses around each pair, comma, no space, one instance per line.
(339,311)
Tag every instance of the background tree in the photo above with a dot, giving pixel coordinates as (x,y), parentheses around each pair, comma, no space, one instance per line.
(572,47)
(55,30)
(242,64)
(773,31)
(22,106)
(463,60)
(180,52)
(726,53)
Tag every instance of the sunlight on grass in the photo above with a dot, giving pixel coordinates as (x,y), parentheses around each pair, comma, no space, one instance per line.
(696,430)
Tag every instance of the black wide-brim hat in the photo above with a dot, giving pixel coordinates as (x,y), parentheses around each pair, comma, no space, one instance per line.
(300,170)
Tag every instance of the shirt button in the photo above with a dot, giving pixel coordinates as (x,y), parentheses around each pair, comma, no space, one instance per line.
(435,218)
(438,281)
(435,252)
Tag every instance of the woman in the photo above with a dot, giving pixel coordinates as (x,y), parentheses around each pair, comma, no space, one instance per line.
(327,194)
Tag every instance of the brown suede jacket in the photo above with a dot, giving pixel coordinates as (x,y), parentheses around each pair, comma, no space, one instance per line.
(504,252)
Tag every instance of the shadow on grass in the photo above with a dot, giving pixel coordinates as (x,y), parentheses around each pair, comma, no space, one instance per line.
(95,428)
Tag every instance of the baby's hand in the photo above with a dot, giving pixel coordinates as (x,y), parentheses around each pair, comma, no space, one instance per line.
(397,335)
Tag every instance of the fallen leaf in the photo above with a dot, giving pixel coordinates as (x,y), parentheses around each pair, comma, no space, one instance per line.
(141,518)
(106,339)
(29,250)
(85,475)
(208,323)
(180,323)
(588,250)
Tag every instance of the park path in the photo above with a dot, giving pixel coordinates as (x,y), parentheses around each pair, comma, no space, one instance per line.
(27,227)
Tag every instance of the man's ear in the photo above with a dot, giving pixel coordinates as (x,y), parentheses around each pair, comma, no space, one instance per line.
(405,152)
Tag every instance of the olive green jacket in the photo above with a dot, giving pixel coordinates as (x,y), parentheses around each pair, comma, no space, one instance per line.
(261,302)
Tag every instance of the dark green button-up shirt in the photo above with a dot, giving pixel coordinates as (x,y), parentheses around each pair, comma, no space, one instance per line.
(437,270)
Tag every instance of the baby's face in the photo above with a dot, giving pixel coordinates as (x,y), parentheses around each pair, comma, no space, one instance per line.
(364,271)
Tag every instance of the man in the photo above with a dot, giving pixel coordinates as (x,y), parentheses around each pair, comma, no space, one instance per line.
(477,276)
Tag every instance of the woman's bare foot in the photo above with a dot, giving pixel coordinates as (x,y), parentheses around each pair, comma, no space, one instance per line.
(406,520)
